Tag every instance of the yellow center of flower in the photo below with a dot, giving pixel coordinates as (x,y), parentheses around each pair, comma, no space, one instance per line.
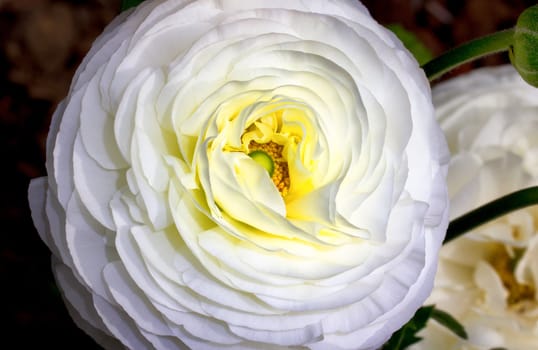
(279,135)
(276,165)
(504,266)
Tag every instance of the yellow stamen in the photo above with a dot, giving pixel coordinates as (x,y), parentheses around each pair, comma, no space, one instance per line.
(504,266)
(280,175)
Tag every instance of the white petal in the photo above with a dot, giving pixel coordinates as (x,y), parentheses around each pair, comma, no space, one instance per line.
(120,325)
(152,202)
(489,281)
(128,251)
(56,220)
(60,146)
(123,118)
(78,296)
(88,244)
(131,299)
(37,197)
(292,337)
(95,185)
(96,129)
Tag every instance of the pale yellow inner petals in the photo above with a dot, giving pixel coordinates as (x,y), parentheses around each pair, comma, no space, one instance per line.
(518,292)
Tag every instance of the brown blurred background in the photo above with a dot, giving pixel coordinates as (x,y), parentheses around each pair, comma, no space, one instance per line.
(42,42)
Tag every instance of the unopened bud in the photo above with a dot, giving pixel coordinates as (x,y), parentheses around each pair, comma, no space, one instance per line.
(524,52)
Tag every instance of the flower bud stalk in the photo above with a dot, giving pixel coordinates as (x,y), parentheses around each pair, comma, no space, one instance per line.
(467,52)
(492,210)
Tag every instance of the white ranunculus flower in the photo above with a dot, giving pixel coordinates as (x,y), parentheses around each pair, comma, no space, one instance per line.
(488,279)
(166,226)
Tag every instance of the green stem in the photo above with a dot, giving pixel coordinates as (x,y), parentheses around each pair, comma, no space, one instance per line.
(492,210)
(474,49)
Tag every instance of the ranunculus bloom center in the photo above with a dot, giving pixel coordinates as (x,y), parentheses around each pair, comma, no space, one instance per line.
(282,129)
(280,173)
(519,293)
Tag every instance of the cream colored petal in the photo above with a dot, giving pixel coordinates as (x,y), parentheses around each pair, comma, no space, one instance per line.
(120,325)
(96,129)
(489,281)
(131,299)
(95,185)
(90,246)
(79,304)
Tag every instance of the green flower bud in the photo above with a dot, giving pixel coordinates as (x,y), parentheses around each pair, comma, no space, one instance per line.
(263,159)
(524,52)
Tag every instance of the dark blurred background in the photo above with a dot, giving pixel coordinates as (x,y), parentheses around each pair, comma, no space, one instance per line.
(42,42)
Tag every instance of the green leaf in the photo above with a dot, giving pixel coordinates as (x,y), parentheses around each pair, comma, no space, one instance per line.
(412,43)
(406,335)
(449,322)
(127,4)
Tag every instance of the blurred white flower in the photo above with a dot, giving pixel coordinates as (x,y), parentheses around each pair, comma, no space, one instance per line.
(168,232)
(488,278)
